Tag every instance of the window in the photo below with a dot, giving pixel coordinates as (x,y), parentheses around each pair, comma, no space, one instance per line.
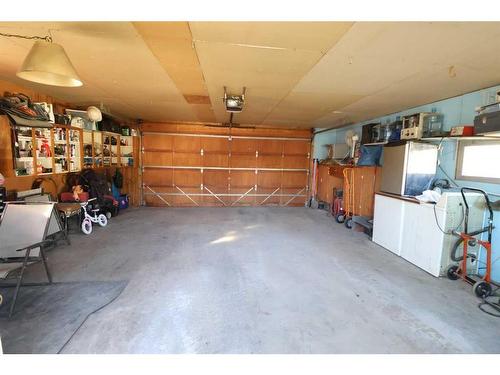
(478,161)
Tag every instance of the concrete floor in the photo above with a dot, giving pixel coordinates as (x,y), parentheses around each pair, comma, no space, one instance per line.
(262,280)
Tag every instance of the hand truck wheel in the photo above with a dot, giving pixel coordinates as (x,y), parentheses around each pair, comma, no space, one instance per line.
(481,289)
(340,218)
(348,223)
(451,272)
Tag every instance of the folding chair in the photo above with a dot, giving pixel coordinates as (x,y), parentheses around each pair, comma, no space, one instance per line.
(23,237)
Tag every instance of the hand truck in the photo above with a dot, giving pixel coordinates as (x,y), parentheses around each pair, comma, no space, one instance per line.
(481,287)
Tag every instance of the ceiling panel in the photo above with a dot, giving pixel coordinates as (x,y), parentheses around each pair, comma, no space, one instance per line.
(116,66)
(297,73)
(314,36)
(172,44)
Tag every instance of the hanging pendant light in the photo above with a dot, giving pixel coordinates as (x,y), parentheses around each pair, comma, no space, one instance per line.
(47,63)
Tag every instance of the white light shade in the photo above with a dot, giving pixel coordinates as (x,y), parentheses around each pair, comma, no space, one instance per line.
(47,63)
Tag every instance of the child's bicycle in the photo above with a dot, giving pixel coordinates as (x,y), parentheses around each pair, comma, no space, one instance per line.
(92,215)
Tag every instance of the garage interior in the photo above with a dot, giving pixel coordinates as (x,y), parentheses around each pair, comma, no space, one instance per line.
(249,187)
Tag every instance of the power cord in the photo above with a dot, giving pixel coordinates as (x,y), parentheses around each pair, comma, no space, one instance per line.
(88,316)
(494,307)
(453,230)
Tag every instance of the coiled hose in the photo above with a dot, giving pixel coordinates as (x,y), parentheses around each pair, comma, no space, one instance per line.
(455,255)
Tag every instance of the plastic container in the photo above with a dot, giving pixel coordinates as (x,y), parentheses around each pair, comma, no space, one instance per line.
(123,201)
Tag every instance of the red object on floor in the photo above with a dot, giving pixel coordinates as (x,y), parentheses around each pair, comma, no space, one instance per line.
(337,206)
(68,197)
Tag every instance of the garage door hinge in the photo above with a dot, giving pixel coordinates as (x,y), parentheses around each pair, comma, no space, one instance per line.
(256,154)
(142,150)
(201,186)
(255,187)
(308,155)
(201,152)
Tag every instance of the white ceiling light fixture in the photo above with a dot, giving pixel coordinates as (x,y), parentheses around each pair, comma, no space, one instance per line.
(47,63)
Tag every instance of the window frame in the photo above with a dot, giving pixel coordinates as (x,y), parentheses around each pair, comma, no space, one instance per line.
(460,159)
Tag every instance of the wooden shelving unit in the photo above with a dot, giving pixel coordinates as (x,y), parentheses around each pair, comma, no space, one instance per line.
(108,149)
(45,151)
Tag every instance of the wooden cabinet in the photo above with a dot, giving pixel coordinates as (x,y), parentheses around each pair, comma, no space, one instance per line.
(336,171)
(360,186)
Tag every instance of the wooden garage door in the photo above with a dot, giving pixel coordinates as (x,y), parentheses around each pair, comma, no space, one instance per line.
(188,165)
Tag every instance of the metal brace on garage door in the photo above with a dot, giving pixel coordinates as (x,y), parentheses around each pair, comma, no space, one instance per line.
(218,196)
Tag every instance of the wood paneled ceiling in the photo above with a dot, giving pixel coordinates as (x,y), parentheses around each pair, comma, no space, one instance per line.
(297,74)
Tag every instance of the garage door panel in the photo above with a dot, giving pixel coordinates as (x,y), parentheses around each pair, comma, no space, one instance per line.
(243,161)
(158,199)
(187,178)
(243,179)
(187,160)
(295,162)
(296,148)
(244,145)
(269,161)
(192,200)
(294,179)
(158,177)
(187,144)
(157,142)
(267,179)
(240,199)
(157,158)
(216,179)
(214,202)
(288,198)
(216,190)
(216,160)
(267,197)
(265,146)
(215,145)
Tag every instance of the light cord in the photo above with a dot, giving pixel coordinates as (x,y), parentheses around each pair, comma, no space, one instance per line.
(46,38)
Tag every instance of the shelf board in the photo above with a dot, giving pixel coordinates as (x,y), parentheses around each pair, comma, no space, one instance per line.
(466,138)
(376,143)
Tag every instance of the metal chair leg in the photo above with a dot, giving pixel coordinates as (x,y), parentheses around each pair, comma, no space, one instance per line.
(45,265)
(18,285)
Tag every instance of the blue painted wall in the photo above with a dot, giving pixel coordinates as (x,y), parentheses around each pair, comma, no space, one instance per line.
(459,110)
